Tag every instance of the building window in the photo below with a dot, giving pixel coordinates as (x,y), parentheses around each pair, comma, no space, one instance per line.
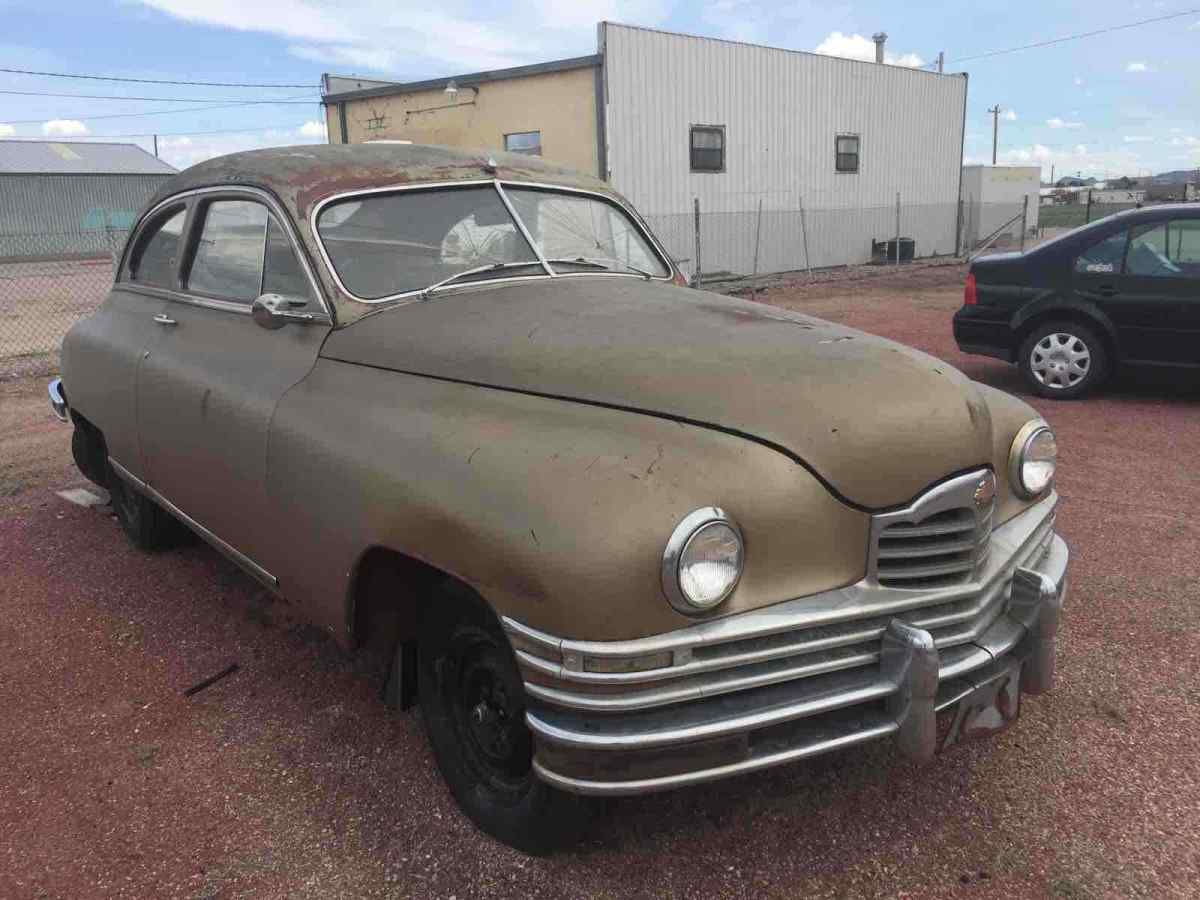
(846,153)
(708,148)
(527,142)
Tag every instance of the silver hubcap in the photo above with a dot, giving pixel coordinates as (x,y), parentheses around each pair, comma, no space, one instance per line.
(1060,361)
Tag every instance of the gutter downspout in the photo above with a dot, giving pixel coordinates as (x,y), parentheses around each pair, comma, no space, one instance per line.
(601,103)
(346,135)
(962,147)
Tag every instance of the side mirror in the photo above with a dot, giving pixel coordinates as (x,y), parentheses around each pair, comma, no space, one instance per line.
(273,311)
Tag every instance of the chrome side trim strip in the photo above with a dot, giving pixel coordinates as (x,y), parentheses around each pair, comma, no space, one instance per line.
(227,550)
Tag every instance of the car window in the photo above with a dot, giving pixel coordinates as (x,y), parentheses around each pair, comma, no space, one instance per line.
(1147,256)
(1183,246)
(282,272)
(1103,257)
(389,244)
(228,263)
(573,226)
(154,261)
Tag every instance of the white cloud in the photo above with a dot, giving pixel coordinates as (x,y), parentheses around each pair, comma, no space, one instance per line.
(414,40)
(1056,122)
(1008,115)
(1078,81)
(64,128)
(312,129)
(1137,138)
(1188,141)
(1137,67)
(1195,26)
(1077,159)
(7,130)
(855,46)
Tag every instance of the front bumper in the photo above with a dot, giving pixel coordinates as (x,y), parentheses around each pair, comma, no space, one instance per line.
(795,679)
(58,400)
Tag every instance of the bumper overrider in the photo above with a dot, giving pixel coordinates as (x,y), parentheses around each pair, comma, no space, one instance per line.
(806,676)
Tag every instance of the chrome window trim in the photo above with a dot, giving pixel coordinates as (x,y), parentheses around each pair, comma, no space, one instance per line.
(498,184)
(273,207)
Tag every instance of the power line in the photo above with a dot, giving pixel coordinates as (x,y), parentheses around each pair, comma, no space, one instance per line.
(160,112)
(231,84)
(153,99)
(1070,37)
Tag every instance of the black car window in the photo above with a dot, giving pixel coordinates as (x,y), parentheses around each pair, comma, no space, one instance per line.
(1183,246)
(1104,257)
(282,272)
(153,262)
(1147,257)
(229,254)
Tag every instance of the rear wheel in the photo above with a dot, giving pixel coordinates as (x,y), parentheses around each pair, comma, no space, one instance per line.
(145,523)
(473,703)
(1063,360)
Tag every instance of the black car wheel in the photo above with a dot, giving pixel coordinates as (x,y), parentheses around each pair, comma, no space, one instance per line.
(145,523)
(473,703)
(1063,360)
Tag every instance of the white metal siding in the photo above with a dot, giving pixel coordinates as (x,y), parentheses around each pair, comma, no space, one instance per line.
(993,195)
(781,110)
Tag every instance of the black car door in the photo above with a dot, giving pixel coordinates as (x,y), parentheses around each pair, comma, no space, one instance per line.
(1162,276)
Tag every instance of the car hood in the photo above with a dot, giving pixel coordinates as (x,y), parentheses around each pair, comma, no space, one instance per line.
(877,421)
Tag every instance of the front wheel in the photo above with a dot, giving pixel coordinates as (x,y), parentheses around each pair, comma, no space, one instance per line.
(1063,360)
(473,703)
(147,525)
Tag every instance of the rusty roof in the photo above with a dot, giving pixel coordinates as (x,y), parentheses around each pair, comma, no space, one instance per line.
(303,175)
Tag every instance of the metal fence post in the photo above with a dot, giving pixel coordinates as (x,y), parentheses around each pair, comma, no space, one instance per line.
(804,234)
(696,274)
(1024,221)
(757,239)
(958,228)
(897,228)
(1088,216)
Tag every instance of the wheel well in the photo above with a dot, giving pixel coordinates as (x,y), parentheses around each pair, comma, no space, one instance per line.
(392,592)
(1060,314)
(89,449)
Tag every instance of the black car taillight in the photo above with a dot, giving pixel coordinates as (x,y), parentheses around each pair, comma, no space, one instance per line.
(969,296)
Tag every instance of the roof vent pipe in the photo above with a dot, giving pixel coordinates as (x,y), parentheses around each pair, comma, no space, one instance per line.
(880,38)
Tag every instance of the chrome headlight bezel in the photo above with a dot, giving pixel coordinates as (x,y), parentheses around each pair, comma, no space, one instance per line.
(673,556)
(1017,457)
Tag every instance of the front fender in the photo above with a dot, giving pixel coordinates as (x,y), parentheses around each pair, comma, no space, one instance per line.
(556,512)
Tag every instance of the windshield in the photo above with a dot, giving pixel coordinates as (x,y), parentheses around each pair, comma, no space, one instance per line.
(384,245)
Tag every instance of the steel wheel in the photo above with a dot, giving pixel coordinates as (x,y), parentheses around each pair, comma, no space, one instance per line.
(1060,361)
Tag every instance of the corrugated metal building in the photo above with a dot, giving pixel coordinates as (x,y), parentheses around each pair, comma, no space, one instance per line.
(63,200)
(733,124)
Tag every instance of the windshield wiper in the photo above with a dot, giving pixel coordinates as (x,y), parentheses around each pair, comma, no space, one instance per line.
(490,267)
(601,264)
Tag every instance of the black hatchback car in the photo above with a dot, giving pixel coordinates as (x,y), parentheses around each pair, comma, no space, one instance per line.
(1122,291)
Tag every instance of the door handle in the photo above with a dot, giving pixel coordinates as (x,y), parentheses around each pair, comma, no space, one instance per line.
(162,319)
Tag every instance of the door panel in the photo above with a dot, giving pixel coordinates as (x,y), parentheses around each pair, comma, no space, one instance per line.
(101,357)
(206,393)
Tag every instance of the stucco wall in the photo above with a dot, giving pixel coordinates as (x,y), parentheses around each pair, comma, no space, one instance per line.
(561,105)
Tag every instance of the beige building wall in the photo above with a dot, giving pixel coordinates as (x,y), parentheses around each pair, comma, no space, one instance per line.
(560,105)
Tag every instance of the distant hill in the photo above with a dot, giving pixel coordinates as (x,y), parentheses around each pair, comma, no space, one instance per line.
(1179,176)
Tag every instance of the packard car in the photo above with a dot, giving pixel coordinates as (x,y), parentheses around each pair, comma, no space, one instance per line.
(623,535)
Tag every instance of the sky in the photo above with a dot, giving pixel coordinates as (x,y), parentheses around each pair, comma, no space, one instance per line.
(1124,102)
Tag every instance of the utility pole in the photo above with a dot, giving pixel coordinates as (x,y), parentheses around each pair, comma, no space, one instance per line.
(995,111)
(156,146)
(941,61)
(1051,174)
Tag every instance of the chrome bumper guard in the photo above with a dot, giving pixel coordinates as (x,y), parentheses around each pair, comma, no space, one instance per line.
(792,680)
(58,400)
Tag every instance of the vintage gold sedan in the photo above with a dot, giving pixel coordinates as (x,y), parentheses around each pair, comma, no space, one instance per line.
(624,535)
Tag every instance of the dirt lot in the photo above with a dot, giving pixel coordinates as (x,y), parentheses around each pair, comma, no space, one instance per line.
(289,778)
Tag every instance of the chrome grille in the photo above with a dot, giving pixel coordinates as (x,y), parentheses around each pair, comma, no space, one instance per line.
(937,544)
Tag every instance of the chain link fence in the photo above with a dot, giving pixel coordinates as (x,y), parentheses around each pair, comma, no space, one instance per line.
(47,282)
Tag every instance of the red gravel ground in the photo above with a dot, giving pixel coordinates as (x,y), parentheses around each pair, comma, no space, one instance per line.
(289,778)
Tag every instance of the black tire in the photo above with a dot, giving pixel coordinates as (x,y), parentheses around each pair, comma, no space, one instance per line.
(150,527)
(473,704)
(1063,360)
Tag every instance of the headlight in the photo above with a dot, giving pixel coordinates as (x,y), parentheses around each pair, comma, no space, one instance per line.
(703,561)
(1032,459)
